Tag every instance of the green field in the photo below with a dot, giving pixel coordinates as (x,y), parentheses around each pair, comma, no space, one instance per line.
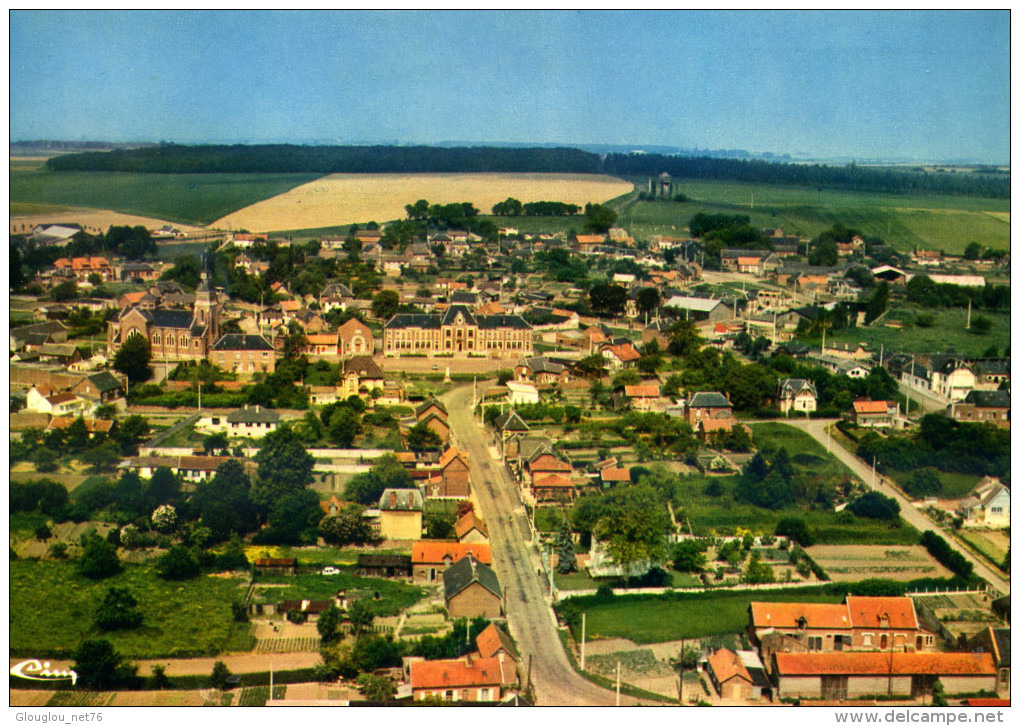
(724,515)
(661,618)
(393,596)
(52,611)
(955,485)
(184,198)
(904,221)
(946,334)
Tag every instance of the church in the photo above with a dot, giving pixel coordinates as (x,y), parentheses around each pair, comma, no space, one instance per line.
(174,334)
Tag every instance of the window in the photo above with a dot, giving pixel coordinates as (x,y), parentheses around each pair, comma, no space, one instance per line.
(155,338)
(170,339)
(448,695)
(867,639)
(883,642)
(814,643)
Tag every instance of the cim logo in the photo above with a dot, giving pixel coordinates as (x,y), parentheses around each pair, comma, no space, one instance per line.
(33,670)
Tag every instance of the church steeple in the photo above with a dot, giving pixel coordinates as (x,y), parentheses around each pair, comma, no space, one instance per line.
(206,311)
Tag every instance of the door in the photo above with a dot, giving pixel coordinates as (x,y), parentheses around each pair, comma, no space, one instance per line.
(921,686)
(834,687)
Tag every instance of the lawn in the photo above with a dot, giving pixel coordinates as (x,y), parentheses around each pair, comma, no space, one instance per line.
(184,198)
(661,618)
(985,545)
(393,596)
(946,334)
(808,455)
(52,610)
(723,515)
(904,221)
(955,485)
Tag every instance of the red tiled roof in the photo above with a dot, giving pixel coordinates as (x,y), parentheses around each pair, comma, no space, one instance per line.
(615,474)
(491,640)
(868,612)
(468,522)
(423,552)
(625,352)
(553,480)
(456,673)
(871,407)
(92,425)
(726,665)
(548,462)
(787,615)
(450,454)
(876,663)
(641,391)
(61,398)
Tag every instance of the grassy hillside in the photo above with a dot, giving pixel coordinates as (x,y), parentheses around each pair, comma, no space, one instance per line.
(904,221)
(184,198)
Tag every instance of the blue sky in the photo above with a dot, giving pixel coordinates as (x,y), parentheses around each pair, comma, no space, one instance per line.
(868,85)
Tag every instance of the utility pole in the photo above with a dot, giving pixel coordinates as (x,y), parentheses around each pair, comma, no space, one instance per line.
(617,683)
(683,643)
(270,678)
(967,326)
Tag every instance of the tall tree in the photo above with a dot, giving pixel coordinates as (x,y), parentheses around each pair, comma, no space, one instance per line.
(133,358)
(284,468)
(101,668)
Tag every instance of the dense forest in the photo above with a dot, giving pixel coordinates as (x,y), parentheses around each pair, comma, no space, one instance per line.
(284,158)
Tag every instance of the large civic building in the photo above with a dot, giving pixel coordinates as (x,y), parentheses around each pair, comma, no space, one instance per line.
(457,332)
(174,334)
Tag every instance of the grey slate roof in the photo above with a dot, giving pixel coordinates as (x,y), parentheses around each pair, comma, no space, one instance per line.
(413,320)
(451,314)
(709,399)
(431,402)
(795,385)
(988,399)
(105,381)
(253,414)
(47,328)
(510,421)
(997,366)
(163,318)
(465,571)
(401,500)
(238,341)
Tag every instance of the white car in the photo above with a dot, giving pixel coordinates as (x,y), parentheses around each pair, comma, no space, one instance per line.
(330,571)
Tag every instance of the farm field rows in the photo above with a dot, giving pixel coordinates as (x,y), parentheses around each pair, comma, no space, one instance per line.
(904,221)
(195,199)
(347,198)
(845,563)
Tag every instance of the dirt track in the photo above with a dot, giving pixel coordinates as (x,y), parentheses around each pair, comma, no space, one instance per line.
(91,220)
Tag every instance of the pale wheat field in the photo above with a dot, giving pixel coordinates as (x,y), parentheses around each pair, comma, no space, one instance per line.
(358,198)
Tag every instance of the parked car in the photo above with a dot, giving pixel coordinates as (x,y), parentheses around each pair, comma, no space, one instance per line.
(330,571)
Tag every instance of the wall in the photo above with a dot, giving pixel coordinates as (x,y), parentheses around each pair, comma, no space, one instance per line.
(474,601)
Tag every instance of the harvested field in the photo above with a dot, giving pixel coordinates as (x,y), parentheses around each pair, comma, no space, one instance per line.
(846,563)
(348,198)
(25,216)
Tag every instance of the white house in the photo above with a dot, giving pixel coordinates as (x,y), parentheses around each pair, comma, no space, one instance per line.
(59,404)
(248,422)
(987,505)
(797,394)
(952,378)
(522,392)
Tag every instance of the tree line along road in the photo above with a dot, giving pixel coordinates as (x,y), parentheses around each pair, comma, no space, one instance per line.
(529,615)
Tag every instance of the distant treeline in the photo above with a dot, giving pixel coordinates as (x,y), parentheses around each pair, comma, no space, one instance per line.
(849,178)
(286,158)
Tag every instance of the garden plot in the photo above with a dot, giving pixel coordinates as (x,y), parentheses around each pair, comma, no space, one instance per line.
(417,624)
(638,667)
(846,563)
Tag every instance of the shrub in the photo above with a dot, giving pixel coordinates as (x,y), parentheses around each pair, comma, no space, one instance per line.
(795,529)
(941,551)
(874,505)
(178,564)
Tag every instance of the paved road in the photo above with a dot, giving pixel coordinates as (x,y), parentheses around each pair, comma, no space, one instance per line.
(910,513)
(529,615)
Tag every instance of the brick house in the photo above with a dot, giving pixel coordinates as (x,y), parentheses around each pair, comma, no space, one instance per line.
(430,558)
(737,676)
(459,679)
(982,407)
(243,354)
(859,623)
(454,476)
(471,528)
(100,387)
(553,488)
(710,411)
(471,590)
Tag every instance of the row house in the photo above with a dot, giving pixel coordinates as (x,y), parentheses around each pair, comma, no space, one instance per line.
(244,355)
(191,469)
(81,268)
(857,624)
